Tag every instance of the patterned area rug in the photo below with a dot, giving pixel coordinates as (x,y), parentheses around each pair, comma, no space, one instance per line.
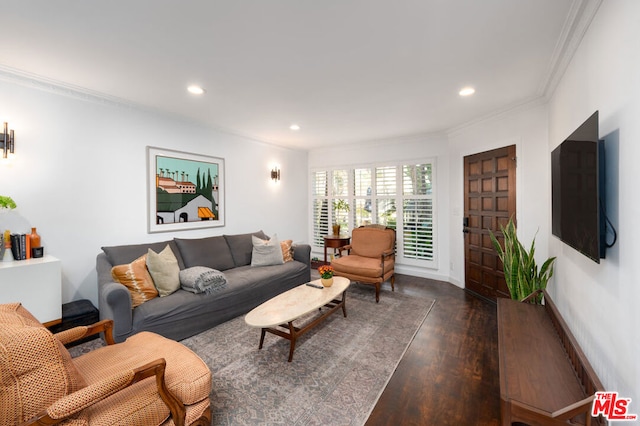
(338,372)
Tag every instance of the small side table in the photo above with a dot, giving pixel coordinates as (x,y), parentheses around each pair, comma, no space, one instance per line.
(334,241)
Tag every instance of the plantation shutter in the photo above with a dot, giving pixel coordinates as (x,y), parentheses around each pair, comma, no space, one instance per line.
(417,212)
(398,195)
(386,189)
(362,192)
(320,207)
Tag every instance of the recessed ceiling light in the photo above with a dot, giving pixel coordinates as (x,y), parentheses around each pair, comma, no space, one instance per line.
(467,91)
(196,90)
(294,127)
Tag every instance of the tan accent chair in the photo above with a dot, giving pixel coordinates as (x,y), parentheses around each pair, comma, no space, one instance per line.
(370,257)
(146,380)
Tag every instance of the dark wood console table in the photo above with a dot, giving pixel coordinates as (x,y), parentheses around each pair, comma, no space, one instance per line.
(545,378)
(334,242)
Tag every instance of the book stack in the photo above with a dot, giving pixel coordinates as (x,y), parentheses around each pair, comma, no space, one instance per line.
(20,246)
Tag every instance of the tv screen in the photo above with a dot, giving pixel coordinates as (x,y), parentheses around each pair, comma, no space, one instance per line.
(577,173)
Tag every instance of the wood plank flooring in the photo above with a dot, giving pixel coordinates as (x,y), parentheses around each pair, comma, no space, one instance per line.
(449,374)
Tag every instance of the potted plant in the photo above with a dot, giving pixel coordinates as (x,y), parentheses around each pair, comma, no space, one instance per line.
(7,203)
(339,206)
(326,275)
(520,269)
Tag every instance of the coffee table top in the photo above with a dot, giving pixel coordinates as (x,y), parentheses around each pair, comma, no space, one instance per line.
(294,303)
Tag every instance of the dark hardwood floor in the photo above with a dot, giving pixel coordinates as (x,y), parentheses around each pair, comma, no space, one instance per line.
(449,374)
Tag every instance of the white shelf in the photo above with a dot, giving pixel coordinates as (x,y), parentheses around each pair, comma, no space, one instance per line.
(36,283)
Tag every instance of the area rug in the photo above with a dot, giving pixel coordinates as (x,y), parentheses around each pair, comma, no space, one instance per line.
(338,372)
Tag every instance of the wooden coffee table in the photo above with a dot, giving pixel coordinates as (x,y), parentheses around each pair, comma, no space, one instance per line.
(282,310)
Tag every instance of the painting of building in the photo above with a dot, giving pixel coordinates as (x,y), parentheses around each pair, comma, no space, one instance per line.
(186,189)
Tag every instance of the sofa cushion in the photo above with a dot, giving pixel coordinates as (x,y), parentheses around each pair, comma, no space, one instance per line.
(361,265)
(266,252)
(163,268)
(212,252)
(371,242)
(186,376)
(241,247)
(136,278)
(119,255)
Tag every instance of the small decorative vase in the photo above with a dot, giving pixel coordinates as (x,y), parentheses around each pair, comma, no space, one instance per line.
(336,229)
(327,282)
(35,238)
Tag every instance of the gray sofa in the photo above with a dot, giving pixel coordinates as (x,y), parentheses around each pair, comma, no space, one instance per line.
(183,314)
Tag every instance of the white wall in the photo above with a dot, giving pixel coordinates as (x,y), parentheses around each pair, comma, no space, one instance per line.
(401,149)
(79,176)
(599,301)
(526,128)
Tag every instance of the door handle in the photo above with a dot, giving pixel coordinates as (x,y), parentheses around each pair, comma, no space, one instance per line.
(465,224)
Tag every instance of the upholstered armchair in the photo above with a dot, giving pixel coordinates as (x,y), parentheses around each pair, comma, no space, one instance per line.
(370,257)
(146,380)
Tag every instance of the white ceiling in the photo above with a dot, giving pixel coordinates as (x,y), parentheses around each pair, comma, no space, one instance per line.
(345,70)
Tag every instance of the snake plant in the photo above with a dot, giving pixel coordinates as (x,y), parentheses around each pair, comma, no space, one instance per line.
(520,269)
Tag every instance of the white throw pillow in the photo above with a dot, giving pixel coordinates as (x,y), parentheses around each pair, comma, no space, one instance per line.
(164,270)
(266,252)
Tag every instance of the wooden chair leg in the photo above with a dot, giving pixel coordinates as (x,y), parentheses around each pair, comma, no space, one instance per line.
(393,281)
(377,292)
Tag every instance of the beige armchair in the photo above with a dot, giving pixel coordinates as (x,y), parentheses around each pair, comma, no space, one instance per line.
(370,257)
(146,380)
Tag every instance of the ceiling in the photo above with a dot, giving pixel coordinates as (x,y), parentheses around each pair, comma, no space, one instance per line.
(345,71)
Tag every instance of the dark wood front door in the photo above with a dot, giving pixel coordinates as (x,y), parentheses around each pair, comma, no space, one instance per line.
(489,202)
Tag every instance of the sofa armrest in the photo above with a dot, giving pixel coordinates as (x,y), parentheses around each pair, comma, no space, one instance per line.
(75,402)
(114,300)
(302,253)
(346,248)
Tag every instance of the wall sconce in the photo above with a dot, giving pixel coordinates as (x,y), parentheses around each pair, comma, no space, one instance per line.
(7,141)
(275,174)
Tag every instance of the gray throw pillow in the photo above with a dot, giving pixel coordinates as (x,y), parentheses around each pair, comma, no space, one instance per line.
(266,252)
(241,247)
(200,279)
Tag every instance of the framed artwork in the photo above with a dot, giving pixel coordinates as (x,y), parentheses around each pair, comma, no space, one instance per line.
(184,190)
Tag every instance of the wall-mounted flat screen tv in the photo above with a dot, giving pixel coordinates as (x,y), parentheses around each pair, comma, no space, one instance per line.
(577,191)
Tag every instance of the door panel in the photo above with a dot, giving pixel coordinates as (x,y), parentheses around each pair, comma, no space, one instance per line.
(489,202)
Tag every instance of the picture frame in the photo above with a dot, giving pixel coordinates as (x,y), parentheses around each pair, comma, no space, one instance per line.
(184,190)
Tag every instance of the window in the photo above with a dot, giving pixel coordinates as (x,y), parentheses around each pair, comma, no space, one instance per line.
(362,197)
(386,190)
(340,205)
(417,212)
(320,207)
(400,196)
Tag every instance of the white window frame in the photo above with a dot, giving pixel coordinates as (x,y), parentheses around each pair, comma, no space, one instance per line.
(317,247)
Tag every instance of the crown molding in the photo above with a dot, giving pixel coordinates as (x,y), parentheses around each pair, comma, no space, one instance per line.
(576,25)
(38,82)
(513,108)
(41,83)
(580,16)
